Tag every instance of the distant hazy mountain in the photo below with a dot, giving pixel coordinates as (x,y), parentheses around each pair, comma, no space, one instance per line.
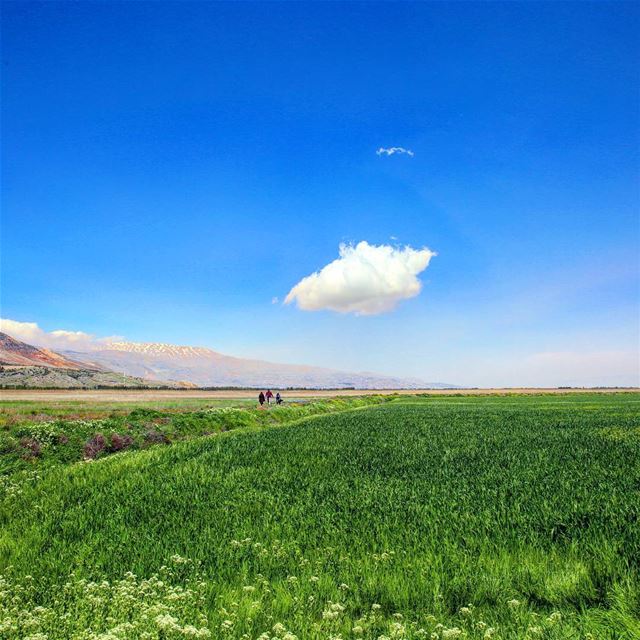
(207,368)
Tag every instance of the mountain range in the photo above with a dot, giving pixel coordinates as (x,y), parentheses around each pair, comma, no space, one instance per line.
(24,366)
(196,366)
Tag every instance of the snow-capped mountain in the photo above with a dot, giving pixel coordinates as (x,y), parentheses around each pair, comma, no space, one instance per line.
(157,348)
(207,368)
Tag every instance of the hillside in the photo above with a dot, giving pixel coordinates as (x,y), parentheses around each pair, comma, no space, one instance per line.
(33,377)
(392,521)
(15,352)
(208,368)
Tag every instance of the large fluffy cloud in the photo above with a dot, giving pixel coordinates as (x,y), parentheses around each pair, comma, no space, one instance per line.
(365,280)
(61,339)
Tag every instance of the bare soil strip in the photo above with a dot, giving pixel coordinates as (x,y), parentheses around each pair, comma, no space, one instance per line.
(150,395)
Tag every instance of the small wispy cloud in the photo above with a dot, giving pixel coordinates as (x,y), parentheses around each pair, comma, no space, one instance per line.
(389,151)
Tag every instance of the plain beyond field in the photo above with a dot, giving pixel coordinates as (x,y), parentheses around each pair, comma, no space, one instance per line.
(150,395)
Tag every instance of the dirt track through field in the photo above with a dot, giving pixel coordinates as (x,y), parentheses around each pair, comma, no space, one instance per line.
(151,395)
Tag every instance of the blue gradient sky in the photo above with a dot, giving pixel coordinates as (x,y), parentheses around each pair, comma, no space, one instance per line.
(170,168)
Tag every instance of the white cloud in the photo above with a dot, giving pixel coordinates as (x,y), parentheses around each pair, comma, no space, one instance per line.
(60,339)
(389,151)
(365,280)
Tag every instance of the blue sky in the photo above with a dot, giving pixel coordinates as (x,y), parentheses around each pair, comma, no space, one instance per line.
(170,168)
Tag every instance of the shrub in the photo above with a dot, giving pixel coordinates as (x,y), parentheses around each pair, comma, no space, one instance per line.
(142,413)
(8,444)
(120,442)
(155,437)
(94,446)
(31,447)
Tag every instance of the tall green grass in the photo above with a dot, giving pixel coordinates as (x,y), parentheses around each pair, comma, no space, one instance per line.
(417,518)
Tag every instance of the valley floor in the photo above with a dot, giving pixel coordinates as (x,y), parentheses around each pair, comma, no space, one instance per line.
(159,395)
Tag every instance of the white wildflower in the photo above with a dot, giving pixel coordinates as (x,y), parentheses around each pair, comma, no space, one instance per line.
(556,616)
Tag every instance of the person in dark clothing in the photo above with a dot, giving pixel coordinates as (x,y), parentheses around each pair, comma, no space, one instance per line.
(269,396)
(278,398)
(261,398)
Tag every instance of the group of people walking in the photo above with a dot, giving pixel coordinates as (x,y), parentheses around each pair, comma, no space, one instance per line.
(268,396)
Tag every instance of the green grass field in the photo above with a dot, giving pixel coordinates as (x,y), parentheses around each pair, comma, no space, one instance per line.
(448,517)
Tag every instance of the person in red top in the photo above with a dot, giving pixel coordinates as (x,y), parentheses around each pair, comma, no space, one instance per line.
(269,395)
